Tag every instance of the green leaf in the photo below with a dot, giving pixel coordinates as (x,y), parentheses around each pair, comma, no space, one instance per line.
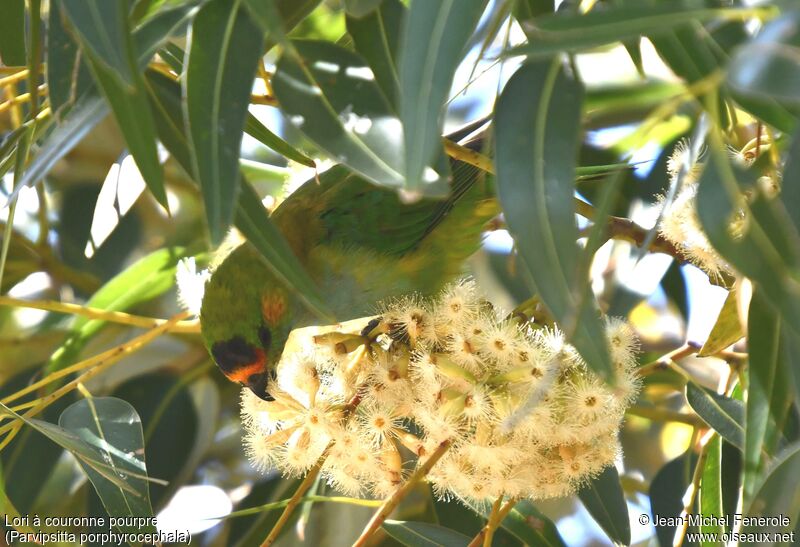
(423,534)
(666,494)
(377,38)
(768,251)
(103,32)
(790,189)
(12,33)
(262,134)
(224,49)
(711,487)
(62,57)
(727,328)
(102,29)
(768,67)
(722,413)
(768,394)
(112,428)
(778,495)
(604,499)
(527,524)
(537,123)
(149,277)
(432,44)
(528,9)
(360,8)
(251,217)
(93,455)
(572,31)
(329,93)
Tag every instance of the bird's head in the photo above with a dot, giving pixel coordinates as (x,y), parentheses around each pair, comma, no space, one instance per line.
(246,318)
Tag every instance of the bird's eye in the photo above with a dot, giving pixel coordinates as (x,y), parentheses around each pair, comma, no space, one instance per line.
(265,336)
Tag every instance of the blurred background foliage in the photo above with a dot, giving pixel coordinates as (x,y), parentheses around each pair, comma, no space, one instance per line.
(106,190)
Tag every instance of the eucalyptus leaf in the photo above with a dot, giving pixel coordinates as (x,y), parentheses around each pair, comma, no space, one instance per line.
(710,492)
(424,534)
(113,429)
(537,124)
(431,47)
(360,8)
(604,499)
(769,394)
(727,328)
(224,49)
(62,56)
(12,33)
(724,414)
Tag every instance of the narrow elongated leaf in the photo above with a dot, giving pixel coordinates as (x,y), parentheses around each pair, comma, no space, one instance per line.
(62,56)
(102,28)
(146,279)
(777,498)
(330,94)
(727,329)
(537,124)
(89,109)
(711,487)
(790,190)
(377,38)
(724,414)
(424,534)
(113,429)
(568,30)
(224,48)
(527,524)
(605,501)
(104,33)
(768,251)
(432,44)
(251,216)
(768,395)
(262,134)
(12,33)
(666,494)
(86,453)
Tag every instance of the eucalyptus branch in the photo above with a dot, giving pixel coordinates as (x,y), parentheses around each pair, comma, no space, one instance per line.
(23,98)
(664,415)
(498,515)
(391,503)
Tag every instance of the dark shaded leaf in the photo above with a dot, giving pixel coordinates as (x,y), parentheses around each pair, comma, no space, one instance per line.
(377,37)
(604,499)
(769,249)
(424,534)
(768,394)
(224,48)
(12,33)
(262,134)
(537,123)
(112,428)
(62,56)
(251,216)
(528,524)
(778,495)
(666,493)
(432,44)
(102,28)
(722,413)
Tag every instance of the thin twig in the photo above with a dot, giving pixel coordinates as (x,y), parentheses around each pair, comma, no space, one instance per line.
(184,327)
(478,540)
(391,503)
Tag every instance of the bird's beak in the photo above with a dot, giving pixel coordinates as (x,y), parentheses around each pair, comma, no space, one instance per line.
(257,383)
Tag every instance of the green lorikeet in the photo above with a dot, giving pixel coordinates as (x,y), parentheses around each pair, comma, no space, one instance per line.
(359,243)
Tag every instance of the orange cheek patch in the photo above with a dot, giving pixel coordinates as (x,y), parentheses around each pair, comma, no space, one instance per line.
(242,372)
(273,306)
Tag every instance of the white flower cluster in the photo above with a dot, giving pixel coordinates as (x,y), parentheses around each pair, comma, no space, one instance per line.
(524,415)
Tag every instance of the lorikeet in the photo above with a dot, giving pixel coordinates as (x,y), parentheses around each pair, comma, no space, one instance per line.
(360,244)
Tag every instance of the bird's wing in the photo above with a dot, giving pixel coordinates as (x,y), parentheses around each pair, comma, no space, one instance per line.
(343,209)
